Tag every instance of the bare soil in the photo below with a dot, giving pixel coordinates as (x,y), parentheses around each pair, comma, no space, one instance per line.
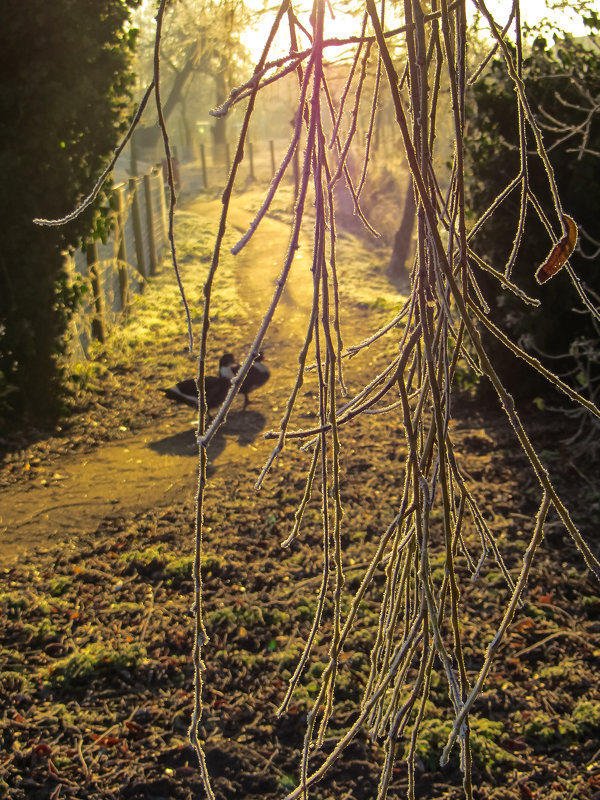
(97,535)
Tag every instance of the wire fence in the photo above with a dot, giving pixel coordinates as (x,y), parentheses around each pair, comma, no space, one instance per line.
(114,271)
(207,166)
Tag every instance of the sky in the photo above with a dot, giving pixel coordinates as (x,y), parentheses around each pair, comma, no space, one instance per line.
(532,11)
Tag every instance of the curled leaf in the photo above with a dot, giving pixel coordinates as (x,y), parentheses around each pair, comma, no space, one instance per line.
(560,252)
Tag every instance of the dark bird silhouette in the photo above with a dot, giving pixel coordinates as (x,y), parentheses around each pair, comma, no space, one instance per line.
(216,386)
(257,376)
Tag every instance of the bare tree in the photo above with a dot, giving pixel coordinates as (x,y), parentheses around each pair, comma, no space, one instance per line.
(200,39)
(403,237)
(420,616)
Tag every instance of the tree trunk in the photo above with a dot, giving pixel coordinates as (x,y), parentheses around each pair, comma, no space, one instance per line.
(403,238)
(150,137)
(219,128)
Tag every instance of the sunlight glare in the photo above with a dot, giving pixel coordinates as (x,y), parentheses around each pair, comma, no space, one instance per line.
(344,24)
(533,11)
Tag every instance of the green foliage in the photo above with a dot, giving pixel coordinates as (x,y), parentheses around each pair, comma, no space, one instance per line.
(559,81)
(200,40)
(64,94)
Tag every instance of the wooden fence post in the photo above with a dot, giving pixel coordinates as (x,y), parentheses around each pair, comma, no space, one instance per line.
(251,155)
(98,328)
(150,224)
(122,249)
(136,219)
(133,153)
(203,159)
(164,220)
(296,173)
(272,149)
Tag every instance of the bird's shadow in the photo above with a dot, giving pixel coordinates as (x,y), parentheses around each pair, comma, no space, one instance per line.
(243,425)
(246,425)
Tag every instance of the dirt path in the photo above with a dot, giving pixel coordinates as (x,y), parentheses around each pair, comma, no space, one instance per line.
(257,267)
(156,466)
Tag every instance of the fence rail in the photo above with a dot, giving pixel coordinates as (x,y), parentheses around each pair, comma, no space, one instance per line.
(118,269)
(207,165)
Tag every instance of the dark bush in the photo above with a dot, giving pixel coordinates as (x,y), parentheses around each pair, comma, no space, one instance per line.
(563,86)
(65,86)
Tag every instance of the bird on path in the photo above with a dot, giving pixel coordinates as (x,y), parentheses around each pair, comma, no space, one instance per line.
(257,376)
(215,386)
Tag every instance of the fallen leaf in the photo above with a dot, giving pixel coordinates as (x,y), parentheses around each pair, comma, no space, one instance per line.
(514,745)
(560,252)
(523,625)
(186,771)
(42,749)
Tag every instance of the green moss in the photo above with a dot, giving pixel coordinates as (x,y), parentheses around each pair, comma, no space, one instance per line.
(12,681)
(305,610)
(41,631)
(438,575)
(242,657)
(59,585)
(180,569)
(14,602)
(286,782)
(288,657)
(62,762)
(317,669)
(537,612)
(63,714)
(566,672)
(221,617)
(253,616)
(142,560)
(494,578)
(543,728)
(126,608)
(485,735)
(177,569)
(275,617)
(384,304)
(49,607)
(587,714)
(10,657)
(359,662)
(591,600)
(93,661)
